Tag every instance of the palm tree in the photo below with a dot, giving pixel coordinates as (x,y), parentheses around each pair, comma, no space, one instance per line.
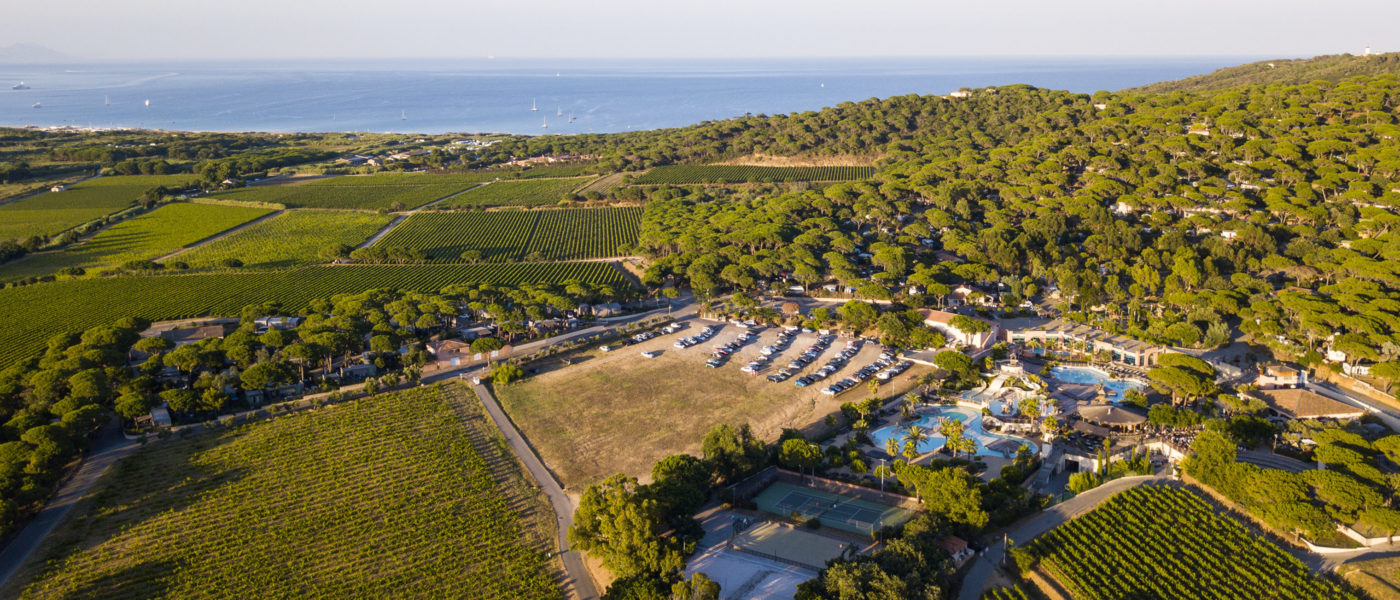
(892,446)
(915,435)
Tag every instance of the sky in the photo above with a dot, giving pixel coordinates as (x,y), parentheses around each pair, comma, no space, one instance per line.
(272,29)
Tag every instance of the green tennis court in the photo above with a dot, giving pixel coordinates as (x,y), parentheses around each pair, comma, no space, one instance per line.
(834,510)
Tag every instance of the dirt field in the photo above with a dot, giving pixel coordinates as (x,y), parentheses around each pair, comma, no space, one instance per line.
(1379,577)
(620,412)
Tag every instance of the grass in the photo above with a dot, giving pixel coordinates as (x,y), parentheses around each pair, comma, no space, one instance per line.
(30,315)
(53,212)
(406,495)
(147,236)
(359,197)
(618,412)
(528,192)
(294,238)
(1379,578)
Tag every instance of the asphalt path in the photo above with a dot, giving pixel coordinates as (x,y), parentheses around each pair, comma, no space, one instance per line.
(109,448)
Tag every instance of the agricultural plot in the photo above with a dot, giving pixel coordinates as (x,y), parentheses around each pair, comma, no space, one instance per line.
(360,197)
(691,174)
(30,315)
(405,495)
(53,212)
(294,238)
(580,233)
(528,192)
(410,179)
(1166,542)
(497,235)
(151,235)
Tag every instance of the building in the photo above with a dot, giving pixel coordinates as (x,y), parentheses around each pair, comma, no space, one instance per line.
(1300,403)
(190,335)
(160,417)
(1279,376)
(943,321)
(956,547)
(1038,336)
(961,94)
(267,323)
(57,188)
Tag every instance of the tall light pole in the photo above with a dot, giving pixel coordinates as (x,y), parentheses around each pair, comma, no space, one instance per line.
(882,474)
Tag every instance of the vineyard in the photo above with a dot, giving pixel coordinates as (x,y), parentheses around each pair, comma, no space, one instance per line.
(294,238)
(34,313)
(561,234)
(579,233)
(1006,593)
(689,174)
(498,235)
(151,235)
(360,197)
(1166,542)
(527,192)
(410,179)
(52,212)
(405,495)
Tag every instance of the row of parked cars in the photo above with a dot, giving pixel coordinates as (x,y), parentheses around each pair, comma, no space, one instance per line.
(721,353)
(705,334)
(883,369)
(807,357)
(833,365)
(785,339)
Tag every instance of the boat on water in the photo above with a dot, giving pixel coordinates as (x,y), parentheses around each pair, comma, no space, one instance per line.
(571,117)
(403,115)
(19,86)
(533,107)
(559,112)
(37,105)
(106,101)
(545,124)
(148,102)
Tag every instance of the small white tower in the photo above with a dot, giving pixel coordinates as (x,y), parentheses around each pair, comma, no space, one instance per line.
(1368,50)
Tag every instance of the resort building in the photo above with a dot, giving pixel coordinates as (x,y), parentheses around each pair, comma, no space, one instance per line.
(1039,337)
(1279,376)
(942,321)
(1304,404)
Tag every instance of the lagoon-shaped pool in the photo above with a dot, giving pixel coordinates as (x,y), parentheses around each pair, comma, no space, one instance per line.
(1113,387)
(930,422)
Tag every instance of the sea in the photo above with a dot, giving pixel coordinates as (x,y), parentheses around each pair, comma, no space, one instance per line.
(520,96)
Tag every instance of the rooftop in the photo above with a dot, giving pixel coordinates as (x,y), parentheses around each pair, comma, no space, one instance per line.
(1300,403)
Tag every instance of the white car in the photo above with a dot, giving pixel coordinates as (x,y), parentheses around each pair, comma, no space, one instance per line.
(652,353)
(606,349)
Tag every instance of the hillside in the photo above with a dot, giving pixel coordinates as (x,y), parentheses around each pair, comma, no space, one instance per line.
(1334,67)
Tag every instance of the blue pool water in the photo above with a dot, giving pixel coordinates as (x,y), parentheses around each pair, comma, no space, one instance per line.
(930,422)
(1092,376)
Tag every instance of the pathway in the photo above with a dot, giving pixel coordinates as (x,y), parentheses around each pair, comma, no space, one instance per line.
(404,216)
(109,448)
(581,581)
(1028,529)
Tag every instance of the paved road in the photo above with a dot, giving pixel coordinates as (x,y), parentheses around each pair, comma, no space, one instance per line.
(582,583)
(109,448)
(1027,530)
(1326,389)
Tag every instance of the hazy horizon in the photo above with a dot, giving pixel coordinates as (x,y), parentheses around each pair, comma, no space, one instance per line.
(89,30)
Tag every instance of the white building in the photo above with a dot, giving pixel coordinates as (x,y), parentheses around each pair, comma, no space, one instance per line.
(942,321)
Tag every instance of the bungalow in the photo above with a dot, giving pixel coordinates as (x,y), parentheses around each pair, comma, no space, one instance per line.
(960,94)
(1305,404)
(453,351)
(965,294)
(1279,376)
(943,321)
(267,323)
(956,547)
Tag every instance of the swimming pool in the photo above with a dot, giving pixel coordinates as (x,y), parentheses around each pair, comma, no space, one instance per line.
(1091,376)
(930,422)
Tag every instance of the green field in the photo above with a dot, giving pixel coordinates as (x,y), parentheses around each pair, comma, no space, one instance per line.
(556,234)
(148,236)
(413,179)
(688,174)
(407,495)
(578,233)
(1166,542)
(53,212)
(34,313)
(294,238)
(360,197)
(444,236)
(529,192)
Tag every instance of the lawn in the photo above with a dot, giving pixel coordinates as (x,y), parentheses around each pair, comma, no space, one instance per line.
(296,237)
(405,495)
(618,412)
(147,236)
(53,212)
(527,192)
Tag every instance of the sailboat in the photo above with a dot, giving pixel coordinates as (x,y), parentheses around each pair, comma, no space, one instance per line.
(545,124)
(403,116)
(148,102)
(559,111)
(533,106)
(19,86)
(106,101)
(37,105)
(571,117)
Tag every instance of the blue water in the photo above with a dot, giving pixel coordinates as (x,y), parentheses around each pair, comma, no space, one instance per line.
(480,95)
(1090,376)
(930,422)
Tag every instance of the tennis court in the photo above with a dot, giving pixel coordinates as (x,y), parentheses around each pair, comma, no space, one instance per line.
(834,510)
